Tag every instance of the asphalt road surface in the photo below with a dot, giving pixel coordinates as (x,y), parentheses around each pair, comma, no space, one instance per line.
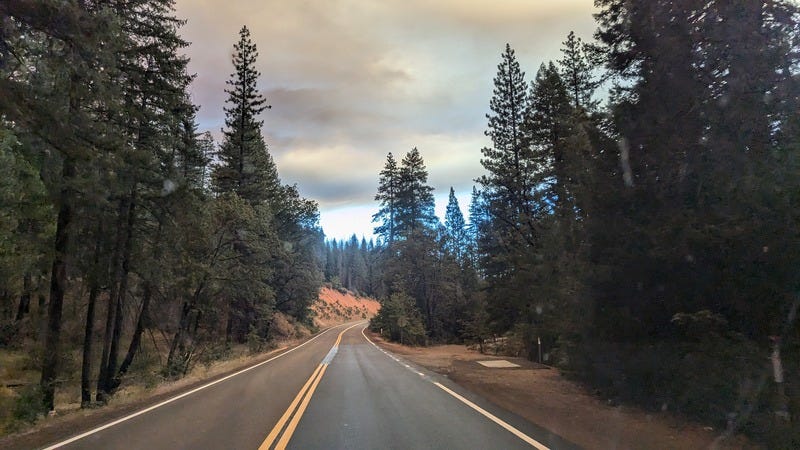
(336,391)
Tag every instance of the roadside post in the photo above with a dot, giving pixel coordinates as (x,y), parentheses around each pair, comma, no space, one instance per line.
(781,406)
(539,341)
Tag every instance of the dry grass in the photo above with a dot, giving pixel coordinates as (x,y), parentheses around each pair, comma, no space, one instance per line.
(143,380)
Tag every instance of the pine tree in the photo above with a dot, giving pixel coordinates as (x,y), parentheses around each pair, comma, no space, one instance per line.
(414,202)
(576,71)
(456,229)
(478,223)
(193,152)
(547,123)
(245,165)
(388,185)
(154,82)
(508,185)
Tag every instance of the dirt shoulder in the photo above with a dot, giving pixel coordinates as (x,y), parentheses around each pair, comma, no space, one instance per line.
(542,396)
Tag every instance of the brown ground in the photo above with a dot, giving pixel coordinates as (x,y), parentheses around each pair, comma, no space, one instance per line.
(541,395)
(335,307)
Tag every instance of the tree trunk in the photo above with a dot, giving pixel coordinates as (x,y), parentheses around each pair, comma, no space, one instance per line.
(177,344)
(58,286)
(88,335)
(229,326)
(113,354)
(143,315)
(86,366)
(113,297)
(25,298)
(137,338)
(5,302)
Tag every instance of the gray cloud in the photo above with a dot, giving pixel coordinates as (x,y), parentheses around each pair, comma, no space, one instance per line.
(351,80)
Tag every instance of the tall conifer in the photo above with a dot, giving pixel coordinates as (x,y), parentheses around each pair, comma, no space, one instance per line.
(576,70)
(246,167)
(388,185)
(415,204)
(456,229)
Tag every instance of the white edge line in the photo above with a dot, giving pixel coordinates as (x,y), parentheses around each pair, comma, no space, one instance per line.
(527,439)
(495,419)
(178,397)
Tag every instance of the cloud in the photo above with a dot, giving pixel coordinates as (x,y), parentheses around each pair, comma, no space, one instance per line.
(351,80)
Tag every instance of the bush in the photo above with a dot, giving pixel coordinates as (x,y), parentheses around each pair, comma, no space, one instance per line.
(29,405)
(401,319)
(708,380)
(8,334)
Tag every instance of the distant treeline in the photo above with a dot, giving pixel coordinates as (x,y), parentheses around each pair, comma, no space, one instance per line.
(119,222)
(651,241)
(352,265)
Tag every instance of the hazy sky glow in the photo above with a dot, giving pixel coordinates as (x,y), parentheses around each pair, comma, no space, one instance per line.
(351,80)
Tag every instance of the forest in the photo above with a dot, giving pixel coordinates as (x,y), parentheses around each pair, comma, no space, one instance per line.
(116,225)
(637,221)
(636,224)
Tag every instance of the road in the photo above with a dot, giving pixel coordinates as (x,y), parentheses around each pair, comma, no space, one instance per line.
(337,390)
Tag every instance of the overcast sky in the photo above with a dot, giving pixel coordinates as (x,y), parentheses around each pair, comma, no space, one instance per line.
(351,80)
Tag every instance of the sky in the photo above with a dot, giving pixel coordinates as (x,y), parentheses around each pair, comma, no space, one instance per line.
(351,80)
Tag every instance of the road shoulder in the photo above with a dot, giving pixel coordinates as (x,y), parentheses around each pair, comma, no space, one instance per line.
(543,397)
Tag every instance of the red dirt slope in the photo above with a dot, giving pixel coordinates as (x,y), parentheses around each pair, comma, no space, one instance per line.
(335,307)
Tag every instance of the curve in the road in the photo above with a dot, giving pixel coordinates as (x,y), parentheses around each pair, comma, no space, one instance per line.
(305,393)
(178,397)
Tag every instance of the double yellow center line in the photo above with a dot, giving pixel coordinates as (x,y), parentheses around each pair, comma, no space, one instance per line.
(302,398)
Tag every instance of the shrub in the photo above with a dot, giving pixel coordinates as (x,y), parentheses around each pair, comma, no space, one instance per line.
(29,404)
(400,317)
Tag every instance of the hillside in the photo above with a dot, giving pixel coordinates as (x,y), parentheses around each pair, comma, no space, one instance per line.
(334,307)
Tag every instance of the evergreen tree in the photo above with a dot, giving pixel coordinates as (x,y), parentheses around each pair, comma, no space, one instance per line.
(414,200)
(154,82)
(511,190)
(245,165)
(576,71)
(478,223)
(388,186)
(193,152)
(547,123)
(508,184)
(456,229)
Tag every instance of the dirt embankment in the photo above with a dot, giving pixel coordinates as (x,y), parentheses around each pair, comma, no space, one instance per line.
(335,307)
(543,396)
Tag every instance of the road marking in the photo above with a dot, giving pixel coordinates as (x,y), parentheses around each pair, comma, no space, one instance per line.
(178,397)
(279,426)
(330,355)
(524,437)
(305,394)
(533,442)
(299,414)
